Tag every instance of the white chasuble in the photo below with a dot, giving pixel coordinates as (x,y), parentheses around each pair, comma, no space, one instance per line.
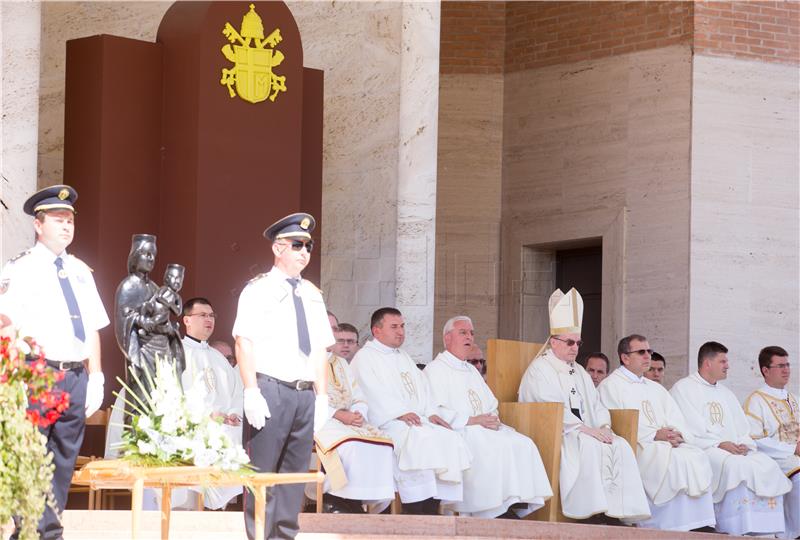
(358,460)
(665,470)
(713,415)
(222,383)
(394,386)
(506,466)
(595,477)
(774,418)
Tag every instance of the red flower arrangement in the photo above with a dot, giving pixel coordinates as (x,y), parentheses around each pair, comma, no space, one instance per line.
(46,402)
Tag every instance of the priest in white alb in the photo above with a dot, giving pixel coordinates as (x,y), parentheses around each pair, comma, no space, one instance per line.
(599,474)
(774,416)
(676,475)
(430,458)
(507,477)
(357,456)
(747,485)
(222,383)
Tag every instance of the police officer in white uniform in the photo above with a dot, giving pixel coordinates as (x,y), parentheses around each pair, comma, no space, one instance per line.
(51,296)
(282,334)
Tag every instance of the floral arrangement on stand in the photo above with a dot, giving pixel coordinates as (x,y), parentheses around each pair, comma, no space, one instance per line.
(176,428)
(25,484)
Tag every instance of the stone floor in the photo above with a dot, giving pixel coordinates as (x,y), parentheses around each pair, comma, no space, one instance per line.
(116,524)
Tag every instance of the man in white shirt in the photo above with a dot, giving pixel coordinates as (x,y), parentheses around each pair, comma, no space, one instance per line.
(507,478)
(430,458)
(598,472)
(748,486)
(282,335)
(222,383)
(774,417)
(676,476)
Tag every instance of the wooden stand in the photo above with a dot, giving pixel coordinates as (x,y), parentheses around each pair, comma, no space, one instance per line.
(118,474)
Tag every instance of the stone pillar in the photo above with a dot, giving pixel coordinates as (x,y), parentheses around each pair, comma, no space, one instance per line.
(20,24)
(416,174)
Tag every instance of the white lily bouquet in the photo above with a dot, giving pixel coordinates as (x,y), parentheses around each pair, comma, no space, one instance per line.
(176,428)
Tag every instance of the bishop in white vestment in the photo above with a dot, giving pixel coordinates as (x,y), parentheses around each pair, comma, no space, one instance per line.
(774,417)
(598,473)
(506,466)
(357,456)
(430,458)
(676,475)
(747,485)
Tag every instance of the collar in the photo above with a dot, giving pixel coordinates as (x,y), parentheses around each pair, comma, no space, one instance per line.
(194,342)
(279,274)
(380,347)
(454,362)
(698,378)
(40,250)
(568,368)
(630,375)
(780,393)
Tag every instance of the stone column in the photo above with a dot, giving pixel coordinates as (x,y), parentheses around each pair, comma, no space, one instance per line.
(20,24)
(416,175)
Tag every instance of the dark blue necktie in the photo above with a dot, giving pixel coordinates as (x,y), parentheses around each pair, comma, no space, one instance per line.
(72,302)
(302,326)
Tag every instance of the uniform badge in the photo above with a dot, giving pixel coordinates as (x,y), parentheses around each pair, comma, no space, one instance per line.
(305,223)
(4,283)
(62,274)
(63,194)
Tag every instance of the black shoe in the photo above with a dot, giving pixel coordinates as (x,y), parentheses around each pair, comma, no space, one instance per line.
(432,506)
(331,504)
(415,508)
(508,514)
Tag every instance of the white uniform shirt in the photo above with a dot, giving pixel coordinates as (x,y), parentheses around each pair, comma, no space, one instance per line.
(266,316)
(32,297)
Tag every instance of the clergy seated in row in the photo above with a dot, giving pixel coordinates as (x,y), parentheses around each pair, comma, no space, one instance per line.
(430,458)
(676,475)
(774,416)
(357,457)
(748,486)
(507,478)
(598,473)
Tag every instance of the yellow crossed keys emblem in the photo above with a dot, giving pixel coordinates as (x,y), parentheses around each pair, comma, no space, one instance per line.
(253,73)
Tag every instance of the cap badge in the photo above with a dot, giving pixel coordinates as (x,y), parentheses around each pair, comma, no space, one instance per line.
(305,223)
(63,194)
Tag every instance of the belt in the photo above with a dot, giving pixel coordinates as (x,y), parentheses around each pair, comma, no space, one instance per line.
(294,385)
(65,366)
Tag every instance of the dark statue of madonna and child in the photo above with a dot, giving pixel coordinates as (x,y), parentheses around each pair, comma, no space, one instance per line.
(142,316)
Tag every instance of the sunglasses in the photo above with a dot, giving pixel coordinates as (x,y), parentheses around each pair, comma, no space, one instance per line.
(641,351)
(569,342)
(298,245)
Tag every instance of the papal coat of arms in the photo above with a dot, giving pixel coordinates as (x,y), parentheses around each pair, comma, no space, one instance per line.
(255,57)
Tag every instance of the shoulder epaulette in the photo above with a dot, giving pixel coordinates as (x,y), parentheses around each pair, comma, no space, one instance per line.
(19,256)
(77,260)
(256,278)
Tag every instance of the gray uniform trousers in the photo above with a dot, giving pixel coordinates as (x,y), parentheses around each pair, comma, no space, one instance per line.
(64,439)
(283,445)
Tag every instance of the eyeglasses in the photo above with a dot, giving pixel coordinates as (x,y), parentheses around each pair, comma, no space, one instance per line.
(780,366)
(477,361)
(569,342)
(343,341)
(211,315)
(298,245)
(640,351)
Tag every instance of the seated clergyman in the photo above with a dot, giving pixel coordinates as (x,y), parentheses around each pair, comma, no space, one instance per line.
(513,483)
(357,457)
(748,486)
(598,469)
(676,475)
(774,416)
(430,458)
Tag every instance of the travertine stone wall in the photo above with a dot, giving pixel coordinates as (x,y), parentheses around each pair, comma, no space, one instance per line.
(381,64)
(600,149)
(745,217)
(19,64)
(468,201)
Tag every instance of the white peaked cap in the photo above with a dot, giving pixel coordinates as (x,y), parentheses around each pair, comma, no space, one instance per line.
(566,312)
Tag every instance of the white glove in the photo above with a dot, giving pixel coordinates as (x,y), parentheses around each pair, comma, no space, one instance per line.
(256,409)
(94,393)
(321,411)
